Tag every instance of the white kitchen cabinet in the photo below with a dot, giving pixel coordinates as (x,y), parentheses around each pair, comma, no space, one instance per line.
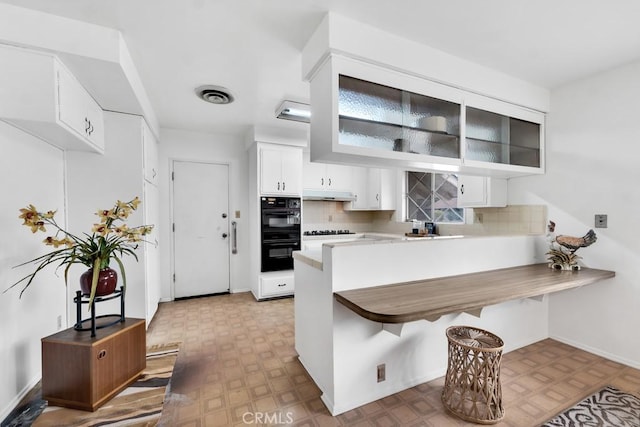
(325,176)
(276,284)
(374,189)
(78,110)
(150,158)
(119,175)
(151,248)
(280,170)
(501,136)
(481,191)
(380,117)
(42,97)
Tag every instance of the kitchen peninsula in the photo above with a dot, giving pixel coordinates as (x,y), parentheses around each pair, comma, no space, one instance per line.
(342,348)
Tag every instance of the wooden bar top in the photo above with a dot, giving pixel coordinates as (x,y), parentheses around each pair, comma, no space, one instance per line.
(432,298)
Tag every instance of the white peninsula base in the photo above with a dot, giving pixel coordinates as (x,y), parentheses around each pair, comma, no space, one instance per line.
(342,350)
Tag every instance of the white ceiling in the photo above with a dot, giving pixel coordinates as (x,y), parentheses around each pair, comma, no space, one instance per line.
(252,47)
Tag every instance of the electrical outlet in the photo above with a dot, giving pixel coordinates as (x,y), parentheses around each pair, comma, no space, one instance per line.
(382,372)
(59,321)
(601,221)
(237,214)
(330,218)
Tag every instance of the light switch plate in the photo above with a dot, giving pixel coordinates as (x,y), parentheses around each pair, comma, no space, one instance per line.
(601,221)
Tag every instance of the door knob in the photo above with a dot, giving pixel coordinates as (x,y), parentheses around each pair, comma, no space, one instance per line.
(224,235)
(224,215)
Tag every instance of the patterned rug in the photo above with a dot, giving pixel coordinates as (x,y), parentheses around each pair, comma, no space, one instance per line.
(608,407)
(138,405)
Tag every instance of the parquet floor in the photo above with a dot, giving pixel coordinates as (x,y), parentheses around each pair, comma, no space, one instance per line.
(237,367)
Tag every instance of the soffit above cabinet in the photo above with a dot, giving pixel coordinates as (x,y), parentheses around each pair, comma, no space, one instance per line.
(337,34)
(97,56)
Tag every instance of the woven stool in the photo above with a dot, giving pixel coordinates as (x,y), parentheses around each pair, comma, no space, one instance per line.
(472,385)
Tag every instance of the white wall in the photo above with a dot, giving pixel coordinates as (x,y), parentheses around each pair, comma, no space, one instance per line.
(203,147)
(31,172)
(593,147)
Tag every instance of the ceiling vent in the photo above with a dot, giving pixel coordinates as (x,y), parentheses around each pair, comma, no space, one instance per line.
(214,94)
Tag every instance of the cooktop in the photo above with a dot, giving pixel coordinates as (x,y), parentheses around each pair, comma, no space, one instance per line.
(327,232)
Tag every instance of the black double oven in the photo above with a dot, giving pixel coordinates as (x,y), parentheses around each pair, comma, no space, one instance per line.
(280,232)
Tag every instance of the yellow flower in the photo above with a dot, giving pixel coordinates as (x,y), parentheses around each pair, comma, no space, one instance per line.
(67,242)
(122,205)
(121,229)
(29,215)
(51,241)
(146,230)
(105,214)
(134,203)
(124,212)
(101,229)
(38,225)
(49,214)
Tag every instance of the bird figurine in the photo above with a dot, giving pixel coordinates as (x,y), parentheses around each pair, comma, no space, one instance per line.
(562,250)
(575,243)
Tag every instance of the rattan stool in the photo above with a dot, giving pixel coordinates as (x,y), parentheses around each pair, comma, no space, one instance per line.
(472,385)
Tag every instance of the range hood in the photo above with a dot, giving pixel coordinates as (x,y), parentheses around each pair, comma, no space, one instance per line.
(335,196)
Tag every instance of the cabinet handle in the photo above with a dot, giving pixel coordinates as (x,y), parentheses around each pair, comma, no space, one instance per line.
(321,181)
(278,185)
(90,128)
(281,285)
(329,182)
(283,185)
(462,189)
(86,125)
(153,172)
(102,354)
(377,197)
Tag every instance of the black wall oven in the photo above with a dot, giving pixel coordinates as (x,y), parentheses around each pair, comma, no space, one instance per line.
(280,229)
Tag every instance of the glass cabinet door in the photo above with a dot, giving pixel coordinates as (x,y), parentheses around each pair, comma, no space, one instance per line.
(497,138)
(381,117)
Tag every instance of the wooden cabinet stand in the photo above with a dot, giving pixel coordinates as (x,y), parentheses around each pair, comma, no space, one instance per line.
(82,372)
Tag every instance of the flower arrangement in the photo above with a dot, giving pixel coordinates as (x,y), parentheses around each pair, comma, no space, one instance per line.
(111,238)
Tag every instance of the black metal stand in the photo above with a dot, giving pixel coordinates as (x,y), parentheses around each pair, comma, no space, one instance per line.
(80,299)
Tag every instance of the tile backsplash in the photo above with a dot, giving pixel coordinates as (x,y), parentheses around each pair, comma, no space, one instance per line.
(513,219)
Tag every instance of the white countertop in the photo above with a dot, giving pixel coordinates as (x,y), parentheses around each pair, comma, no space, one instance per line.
(311,252)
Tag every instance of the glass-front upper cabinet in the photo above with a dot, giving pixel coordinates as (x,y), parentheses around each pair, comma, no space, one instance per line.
(374,116)
(510,138)
(381,117)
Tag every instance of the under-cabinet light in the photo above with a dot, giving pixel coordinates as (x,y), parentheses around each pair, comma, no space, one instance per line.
(290,110)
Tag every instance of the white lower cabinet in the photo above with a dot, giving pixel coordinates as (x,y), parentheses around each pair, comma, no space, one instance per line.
(481,191)
(275,284)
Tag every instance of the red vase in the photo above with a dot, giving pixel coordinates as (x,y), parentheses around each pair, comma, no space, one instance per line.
(107,280)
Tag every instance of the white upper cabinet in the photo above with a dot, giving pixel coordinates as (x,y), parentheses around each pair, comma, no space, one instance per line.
(375,116)
(40,96)
(280,170)
(150,158)
(325,176)
(481,191)
(501,136)
(374,189)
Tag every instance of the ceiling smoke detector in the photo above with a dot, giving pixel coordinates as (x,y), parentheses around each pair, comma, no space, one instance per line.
(214,94)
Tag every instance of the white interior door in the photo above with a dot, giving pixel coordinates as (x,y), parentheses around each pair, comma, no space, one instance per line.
(201,228)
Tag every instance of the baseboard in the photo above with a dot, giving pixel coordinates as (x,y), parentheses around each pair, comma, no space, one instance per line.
(239,291)
(597,351)
(16,400)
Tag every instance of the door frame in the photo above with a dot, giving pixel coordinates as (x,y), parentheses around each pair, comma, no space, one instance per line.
(172,250)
